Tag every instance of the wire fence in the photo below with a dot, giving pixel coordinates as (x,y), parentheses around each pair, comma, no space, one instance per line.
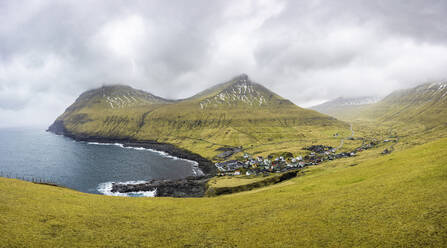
(28,178)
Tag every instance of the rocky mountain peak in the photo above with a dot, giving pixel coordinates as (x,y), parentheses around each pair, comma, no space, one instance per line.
(241,91)
(241,78)
(240,81)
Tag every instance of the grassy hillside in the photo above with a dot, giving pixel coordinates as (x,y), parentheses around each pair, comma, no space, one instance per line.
(397,200)
(236,113)
(419,114)
(115,110)
(425,104)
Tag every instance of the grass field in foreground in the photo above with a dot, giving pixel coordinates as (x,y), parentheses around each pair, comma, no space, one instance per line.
(233,181)
(397,200)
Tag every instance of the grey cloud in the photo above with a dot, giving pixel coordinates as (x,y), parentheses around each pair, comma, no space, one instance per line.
(12,101)
(308,51)
(420,20)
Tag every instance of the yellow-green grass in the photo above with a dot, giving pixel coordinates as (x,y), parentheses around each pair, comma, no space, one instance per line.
(425,105)
(231,185)
(260,133)
(408,134)
(397,200)
(233,181)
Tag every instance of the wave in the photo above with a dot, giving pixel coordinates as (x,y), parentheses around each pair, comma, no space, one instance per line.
(106,144)
(196,171)
(106,189)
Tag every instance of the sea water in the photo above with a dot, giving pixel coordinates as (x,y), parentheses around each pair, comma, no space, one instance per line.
(84,166)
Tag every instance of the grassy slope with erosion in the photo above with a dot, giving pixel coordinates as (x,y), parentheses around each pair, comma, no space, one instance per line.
(415,115)
(425,104)
(111,111)
(369,200)
(236,113)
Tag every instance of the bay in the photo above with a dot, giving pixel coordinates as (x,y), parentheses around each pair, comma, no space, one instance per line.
(87,167)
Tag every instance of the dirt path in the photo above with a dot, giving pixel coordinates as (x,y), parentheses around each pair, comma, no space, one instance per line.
(342,141)
(352,130)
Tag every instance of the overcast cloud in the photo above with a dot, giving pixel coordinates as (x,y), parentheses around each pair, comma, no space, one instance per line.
(306,51)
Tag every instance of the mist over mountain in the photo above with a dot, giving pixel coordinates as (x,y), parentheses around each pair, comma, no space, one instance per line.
(340,105)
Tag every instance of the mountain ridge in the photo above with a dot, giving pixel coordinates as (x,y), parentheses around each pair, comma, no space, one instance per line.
(424,104)
(117,95)
(238,112)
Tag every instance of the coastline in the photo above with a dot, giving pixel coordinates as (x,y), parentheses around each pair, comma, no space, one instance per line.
(141,145)
(193,186)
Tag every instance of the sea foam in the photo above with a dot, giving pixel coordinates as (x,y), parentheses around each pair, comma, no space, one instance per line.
(106,189)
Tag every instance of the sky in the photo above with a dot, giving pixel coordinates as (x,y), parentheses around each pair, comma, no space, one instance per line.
(306,51)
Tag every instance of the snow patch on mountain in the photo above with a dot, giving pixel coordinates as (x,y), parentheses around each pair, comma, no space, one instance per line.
(436,89)
(242,92)
(127,99)
(122,101)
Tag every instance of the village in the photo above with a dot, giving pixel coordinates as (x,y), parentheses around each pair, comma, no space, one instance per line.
(315,154)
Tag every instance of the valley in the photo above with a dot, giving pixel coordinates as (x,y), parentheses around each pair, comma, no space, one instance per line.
(370,198)
(233,124)
(245,129)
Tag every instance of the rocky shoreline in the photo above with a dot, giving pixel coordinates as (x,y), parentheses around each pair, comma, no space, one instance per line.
(187,187)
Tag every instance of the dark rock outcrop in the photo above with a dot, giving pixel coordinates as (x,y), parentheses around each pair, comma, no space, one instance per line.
(227,152)
(57,127)
(187,187)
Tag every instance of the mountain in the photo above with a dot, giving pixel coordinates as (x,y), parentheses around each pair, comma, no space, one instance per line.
(239,92)
(115,96)
(239,112)
(425,104)
(115,107)
(341,106)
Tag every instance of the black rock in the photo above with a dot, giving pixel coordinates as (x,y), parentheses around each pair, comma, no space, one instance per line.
(188,187)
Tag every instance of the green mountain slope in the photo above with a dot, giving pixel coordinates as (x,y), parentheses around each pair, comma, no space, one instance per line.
(113,111)
(236,113)
(425,104)
(115,96)
(419,114)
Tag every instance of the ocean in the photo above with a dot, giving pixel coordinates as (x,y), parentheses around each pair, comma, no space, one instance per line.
(34,154)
